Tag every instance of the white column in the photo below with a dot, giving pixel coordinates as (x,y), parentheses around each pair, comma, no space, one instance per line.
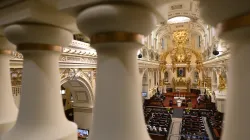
(237,110)
(41,114)
(83,117)
(118,107)
(118,110)
(232,20)
(8,109)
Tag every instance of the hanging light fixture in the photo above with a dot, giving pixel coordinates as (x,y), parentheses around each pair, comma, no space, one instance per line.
(139,54)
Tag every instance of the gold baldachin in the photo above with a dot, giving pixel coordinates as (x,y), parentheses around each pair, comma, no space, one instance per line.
(233,23)
(5,52)
(38,47)
(110,37)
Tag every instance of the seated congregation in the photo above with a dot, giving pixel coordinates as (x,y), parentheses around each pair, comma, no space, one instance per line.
(198,110)
(158,121)
(195,129)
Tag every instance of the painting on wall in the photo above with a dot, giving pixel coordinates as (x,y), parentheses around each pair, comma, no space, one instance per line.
(181,72)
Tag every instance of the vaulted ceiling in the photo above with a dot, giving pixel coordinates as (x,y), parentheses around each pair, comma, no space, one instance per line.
(183,8)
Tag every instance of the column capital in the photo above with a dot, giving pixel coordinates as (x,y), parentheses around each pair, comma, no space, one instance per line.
(28,11)
(231,19)
(214,11)
(5,45)
(37,34)
(117,17)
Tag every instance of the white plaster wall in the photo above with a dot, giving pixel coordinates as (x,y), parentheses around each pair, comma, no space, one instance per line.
(83,119)
(16,90)
(17,100)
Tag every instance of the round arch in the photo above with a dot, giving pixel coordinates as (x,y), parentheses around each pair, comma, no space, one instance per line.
(84,82)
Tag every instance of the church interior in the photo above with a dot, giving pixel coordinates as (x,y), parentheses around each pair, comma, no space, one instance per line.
(124,69)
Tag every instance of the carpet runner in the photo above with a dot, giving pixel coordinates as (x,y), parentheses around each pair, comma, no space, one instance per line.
(178,113)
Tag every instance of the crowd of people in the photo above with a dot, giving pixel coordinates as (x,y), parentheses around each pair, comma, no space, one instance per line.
(214,120)
(158,121)
(193,128)
(158,118)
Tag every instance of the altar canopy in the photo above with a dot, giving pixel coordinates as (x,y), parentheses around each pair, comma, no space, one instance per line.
(181,64)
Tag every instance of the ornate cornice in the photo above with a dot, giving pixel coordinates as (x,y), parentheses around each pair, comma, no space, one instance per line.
(80,55)
(74,73)
(217,61)
(16,77)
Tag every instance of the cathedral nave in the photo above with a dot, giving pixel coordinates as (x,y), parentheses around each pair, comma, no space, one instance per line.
(132,69)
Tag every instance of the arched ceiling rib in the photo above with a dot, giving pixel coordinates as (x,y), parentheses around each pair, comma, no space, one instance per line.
(186,8)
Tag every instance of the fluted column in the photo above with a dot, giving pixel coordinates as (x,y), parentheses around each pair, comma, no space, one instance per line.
(41,114)
(116,33)
(231,18)
(8,109)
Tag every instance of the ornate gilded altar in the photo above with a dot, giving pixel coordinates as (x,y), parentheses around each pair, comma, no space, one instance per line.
(181,84)
(181,57)
(222,83)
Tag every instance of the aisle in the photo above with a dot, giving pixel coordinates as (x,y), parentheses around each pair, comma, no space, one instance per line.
(175,129)
(178,113)
(207,128)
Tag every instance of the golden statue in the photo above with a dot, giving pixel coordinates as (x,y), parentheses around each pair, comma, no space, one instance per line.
(174,82)
(161,82)
(199,82)
(180,38)
(222,83)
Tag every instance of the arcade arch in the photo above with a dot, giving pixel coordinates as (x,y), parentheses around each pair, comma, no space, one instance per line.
(82,95)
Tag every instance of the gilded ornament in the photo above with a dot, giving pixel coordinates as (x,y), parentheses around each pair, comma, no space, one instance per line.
(222,83)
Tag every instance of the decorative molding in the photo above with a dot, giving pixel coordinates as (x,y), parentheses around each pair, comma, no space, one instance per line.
(74,73)
(72,59)
(83,109)
(79,53)
(16,56)
(218,61)
(16,90)
(16,77)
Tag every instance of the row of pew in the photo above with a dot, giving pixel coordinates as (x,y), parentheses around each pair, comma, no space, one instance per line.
(158,121)
(214,120)
(156,100)
(193,128)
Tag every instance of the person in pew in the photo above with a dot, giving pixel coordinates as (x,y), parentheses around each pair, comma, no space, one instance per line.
(199,99)
(170,102)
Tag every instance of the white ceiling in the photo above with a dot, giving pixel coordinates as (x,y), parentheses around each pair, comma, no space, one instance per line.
(80,93)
